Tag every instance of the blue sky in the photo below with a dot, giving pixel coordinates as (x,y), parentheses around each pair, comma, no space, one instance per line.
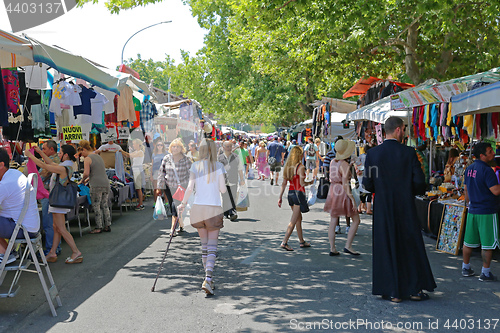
(98,35)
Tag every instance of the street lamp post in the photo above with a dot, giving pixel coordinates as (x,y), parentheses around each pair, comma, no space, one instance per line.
(123,49)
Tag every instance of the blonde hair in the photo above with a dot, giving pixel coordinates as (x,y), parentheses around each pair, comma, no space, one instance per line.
(208,152)
(317,140)
(294,158)
(179,143)
(262,144)
(85,145)
(138,142)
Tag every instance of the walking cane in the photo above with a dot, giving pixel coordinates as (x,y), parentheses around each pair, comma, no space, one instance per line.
(166,251)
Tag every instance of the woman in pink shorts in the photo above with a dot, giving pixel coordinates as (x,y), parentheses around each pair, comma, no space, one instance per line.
(206,213)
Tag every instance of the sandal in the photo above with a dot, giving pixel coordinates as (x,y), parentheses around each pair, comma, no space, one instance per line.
(77,260)
(106,229)
(286,247)
(51,259)
(392,299)
(305,244)
(96,231)
(421,296)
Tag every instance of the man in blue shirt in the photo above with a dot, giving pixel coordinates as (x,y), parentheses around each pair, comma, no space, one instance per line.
(481,194)
(277,152)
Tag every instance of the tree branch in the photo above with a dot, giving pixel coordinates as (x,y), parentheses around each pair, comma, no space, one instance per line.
(286,4)
(411,24)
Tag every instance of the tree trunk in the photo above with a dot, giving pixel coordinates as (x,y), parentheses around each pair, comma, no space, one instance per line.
(306,109)
(412,68)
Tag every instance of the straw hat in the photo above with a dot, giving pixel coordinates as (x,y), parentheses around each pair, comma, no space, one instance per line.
(344,149)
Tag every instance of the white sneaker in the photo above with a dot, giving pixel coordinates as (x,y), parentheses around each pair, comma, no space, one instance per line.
(347,229)
(337,230)
(12,257)
(207,287)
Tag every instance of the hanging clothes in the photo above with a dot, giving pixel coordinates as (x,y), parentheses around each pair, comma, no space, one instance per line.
(4,113)
(125,107)
(11,85)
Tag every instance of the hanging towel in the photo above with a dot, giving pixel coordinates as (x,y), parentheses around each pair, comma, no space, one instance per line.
(41,192)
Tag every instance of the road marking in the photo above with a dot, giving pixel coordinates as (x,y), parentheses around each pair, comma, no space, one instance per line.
(249,260)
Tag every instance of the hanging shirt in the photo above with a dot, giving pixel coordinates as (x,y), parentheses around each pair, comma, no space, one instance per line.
(97,107)
(86,106)
(36,77)
(125,108)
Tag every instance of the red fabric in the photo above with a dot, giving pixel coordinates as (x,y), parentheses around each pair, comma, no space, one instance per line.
(137,123)
(41,192)
(478,126)
(112,117)
(125,69)
(295,182)
(421,125)
(494,123)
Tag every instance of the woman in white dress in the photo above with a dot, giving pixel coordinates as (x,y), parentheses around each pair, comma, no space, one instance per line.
(206,213)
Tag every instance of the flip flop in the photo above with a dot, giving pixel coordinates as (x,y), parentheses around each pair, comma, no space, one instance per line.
(350,252)
(77,260)
(96,231)
(286,247)
(305,244)
(336,253)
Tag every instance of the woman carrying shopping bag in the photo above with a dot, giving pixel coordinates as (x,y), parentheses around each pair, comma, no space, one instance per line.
(295,174)
(62,173)
(174,172)
(206,213)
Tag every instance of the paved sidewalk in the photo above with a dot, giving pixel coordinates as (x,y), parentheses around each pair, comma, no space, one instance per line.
(260,287)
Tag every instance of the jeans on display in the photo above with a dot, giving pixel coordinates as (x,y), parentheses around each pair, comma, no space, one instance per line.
(48,226)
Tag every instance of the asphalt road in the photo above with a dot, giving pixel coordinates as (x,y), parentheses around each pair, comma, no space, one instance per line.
(260,287)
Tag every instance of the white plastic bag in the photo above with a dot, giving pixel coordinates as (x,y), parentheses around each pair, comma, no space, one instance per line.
(355,194)
(313,194)
(160,213)
(243,202)
(251,173)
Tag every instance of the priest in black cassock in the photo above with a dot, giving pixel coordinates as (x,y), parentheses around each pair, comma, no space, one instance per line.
(401,269)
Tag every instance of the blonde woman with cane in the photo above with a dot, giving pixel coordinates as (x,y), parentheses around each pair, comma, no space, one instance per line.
(207,176)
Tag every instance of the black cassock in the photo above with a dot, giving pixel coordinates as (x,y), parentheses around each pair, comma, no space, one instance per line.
(400,264)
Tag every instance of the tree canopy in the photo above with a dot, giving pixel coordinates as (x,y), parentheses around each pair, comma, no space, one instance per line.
(265,60)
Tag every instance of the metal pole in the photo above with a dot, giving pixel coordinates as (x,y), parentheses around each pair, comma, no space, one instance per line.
(123,49)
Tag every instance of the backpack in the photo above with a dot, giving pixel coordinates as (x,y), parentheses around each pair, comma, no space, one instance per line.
(310,150)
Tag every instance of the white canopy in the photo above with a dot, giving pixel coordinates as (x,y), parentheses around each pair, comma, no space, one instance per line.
(482,100)
(378,111)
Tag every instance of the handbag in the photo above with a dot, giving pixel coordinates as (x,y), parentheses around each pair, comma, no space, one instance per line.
(324,186)
(179,193)
(63,196)
(271,160)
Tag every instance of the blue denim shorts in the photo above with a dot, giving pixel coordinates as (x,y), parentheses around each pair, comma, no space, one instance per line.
(7,226)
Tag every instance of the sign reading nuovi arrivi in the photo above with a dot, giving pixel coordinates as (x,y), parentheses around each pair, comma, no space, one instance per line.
(25,14)
(71,133)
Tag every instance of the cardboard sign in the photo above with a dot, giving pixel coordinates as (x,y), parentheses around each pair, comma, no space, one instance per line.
(186,125)
(110,135)
(71,133)
(123,133)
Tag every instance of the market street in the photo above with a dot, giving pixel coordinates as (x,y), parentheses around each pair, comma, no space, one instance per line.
(259,287)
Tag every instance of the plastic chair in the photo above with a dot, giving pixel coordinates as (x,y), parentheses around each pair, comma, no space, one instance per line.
(28,255)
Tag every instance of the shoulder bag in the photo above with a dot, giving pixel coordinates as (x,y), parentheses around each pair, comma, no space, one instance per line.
(179,193)
(271,160)
(63,196)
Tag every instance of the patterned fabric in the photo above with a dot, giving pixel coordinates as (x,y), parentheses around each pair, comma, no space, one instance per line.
(11,85)
(100,204)
(167,172)
(147,114)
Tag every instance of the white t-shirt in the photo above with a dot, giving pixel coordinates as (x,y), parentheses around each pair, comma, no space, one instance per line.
(12,187)
(207,193)
(306,149)
(112,148)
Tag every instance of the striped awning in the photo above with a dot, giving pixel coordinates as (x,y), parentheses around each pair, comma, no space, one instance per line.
(14,51)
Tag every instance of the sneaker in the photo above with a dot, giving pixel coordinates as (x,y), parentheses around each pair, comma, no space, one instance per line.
(233,217)
(12,257)
(347,229)
(139,207)
(272,182)
(207,287)
(487,278)
(338,230)
(467,272)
